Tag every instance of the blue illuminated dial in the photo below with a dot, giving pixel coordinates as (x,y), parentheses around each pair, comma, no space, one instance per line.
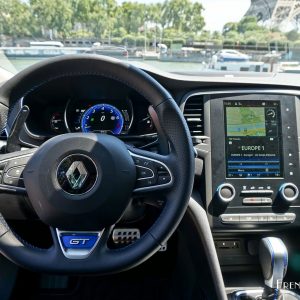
(103,118)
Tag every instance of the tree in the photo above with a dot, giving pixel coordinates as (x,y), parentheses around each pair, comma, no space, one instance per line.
(15,18)
(293,35)
(132,17)
(81,12)
(249,23)
(101,18)
(53,16)
(183,15)
(153,13)
(216,35)
(230,26)
(205,36)
(110,8)
(247,31)
(194,20)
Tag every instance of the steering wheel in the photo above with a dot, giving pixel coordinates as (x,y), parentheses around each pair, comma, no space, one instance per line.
(80,184)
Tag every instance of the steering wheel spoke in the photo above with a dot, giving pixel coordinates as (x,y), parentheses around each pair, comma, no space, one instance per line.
(81,244)
(11,170)
(153,171)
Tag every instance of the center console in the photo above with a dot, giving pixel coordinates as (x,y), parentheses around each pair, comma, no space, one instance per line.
(253,179)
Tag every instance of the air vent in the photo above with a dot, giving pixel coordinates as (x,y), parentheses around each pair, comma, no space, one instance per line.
(194,116)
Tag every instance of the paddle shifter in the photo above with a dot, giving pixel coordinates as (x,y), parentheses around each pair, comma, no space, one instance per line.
(273,257)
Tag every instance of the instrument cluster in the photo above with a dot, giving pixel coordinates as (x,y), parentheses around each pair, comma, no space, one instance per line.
(104,115)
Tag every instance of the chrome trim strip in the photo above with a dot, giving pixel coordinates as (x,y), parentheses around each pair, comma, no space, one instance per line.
(283,186)
(12,188)
(65,116)
(132,113)
(290,218)
(15,168)
(144,178)
(153,187)
(17,157)
(227,200)
(77,253)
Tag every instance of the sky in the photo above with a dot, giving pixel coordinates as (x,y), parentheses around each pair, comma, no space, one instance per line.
(217,12)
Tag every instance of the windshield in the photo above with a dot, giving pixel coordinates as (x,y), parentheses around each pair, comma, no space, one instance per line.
(181,36)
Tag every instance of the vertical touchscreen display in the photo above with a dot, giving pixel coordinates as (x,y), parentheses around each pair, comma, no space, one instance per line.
(253,139)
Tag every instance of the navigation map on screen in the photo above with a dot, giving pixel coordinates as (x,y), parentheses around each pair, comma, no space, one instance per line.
(246,121)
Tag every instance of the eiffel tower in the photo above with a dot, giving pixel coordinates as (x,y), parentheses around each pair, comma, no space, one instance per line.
(277,13)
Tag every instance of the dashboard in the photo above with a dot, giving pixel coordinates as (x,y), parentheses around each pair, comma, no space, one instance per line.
(246,135)
(245,131)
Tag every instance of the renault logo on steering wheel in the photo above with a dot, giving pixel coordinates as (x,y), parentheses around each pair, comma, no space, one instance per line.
(77,174)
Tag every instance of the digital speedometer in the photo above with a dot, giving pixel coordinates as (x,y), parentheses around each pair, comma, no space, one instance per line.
(103,118)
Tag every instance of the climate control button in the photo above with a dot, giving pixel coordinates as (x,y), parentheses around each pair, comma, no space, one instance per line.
(226,192)
(289,192)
